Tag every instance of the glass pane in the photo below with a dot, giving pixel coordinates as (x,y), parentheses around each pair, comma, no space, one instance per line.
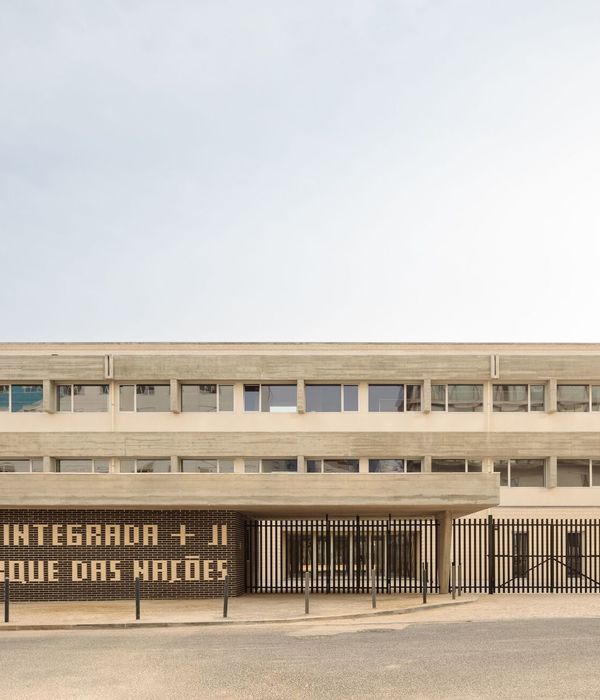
(474,465)
(199,397)
(438,397)
(153,398)
(127,466)
(386,398)
(510,397)
(226,466)
(37,465)
(101,466)
(279,465)
(572,397)
(596,398)
(448,465)
(90,397)
(501,467)
(413,466)
(251,466)
(465,398)
(325,398)
(350,397)
(386,465)
(595,472)
(573,472)
(537,397)
(126,397)
(13,466)
(278,398)
(413,397)
(63,397)
(527,472)
(75,466)
(199,466)
(153,466)
(313,466)
(340,465)
(251,397)
(4,394)
(26,397)
(225,397)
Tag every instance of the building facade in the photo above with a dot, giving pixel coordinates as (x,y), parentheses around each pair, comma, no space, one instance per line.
(181,464)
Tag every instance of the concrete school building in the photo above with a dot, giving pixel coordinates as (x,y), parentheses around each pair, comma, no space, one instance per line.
(184,463)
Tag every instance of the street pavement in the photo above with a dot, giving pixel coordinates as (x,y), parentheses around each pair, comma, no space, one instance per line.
(384,657)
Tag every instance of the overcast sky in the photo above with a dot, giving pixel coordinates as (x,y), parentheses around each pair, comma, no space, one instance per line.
(417,170)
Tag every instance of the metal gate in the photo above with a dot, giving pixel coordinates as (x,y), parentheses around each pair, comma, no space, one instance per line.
(339,555)
(528,556)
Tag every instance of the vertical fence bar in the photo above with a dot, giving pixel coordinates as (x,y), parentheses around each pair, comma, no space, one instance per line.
(225,596)
(137,598)
(491,557)
(7,599)
(306,593)
(373,589)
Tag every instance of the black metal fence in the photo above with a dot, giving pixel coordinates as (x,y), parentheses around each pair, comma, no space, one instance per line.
(492,555)
(339,555)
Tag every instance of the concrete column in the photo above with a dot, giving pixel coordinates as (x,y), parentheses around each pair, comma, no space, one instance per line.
(444,549)
(175,464)
(301,464)
(427,464)
(363,465)
(426,396)
(238,398)
(175,396)
(551,396)
(363,397)
(48,464)
(300,396)
(238,465)
(49,396)
(551,473)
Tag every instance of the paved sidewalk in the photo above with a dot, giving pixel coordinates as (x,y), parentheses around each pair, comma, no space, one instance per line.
(248,609)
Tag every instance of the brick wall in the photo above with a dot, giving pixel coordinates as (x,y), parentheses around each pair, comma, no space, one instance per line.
(96,554)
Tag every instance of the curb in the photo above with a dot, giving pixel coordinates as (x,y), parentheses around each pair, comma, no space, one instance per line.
(9,627)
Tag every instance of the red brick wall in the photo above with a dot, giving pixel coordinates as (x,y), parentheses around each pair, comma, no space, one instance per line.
(95,554)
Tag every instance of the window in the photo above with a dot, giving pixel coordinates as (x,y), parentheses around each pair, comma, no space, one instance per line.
(145,398)
(207,466)
(521,472)
(332,466)
(82,466)
(579,398)
(160,465)
(270,466)
(520,554)
(23,398)
(385,466)
(573,472)
(206,398)
(394,398)
(79,398)
(270,398)
(329,398)
(518,397)
(458,398)
(450,466)
(15,466)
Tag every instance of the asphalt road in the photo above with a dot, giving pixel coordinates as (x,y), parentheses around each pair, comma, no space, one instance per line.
(508,659)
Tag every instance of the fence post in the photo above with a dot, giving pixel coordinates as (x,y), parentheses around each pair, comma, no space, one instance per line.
(306,592)
(453,579)
(6,600)
(225,596)
(424,582)
(373,589)
(459,580)
(137,598)
(491,556)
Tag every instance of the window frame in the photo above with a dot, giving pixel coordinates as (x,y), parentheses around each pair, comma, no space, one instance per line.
(529,387)
(93,460)
(322,461)
(343,387)
(217,386)
(72,396)
(10,385)
(590,391)
(218,460)
(135,461)
(260,396)
(510,460)
(404,460)
(404,386)
(466,461)
(135,395)
(31,460)
(260,461)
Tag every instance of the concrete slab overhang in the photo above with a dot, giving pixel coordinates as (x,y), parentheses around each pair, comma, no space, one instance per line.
(273,495)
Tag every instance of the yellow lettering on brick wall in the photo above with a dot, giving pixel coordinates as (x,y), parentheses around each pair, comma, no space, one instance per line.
(57,535)
(73,536)
(150,534)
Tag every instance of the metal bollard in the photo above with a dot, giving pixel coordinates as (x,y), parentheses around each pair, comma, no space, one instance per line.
(373,589)
(306,592)
(459,582)
(138,591)
(6,600)
(453,581)
(225,596)
(424,583)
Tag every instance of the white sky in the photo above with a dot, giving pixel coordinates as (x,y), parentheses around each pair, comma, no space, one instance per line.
(319,170)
